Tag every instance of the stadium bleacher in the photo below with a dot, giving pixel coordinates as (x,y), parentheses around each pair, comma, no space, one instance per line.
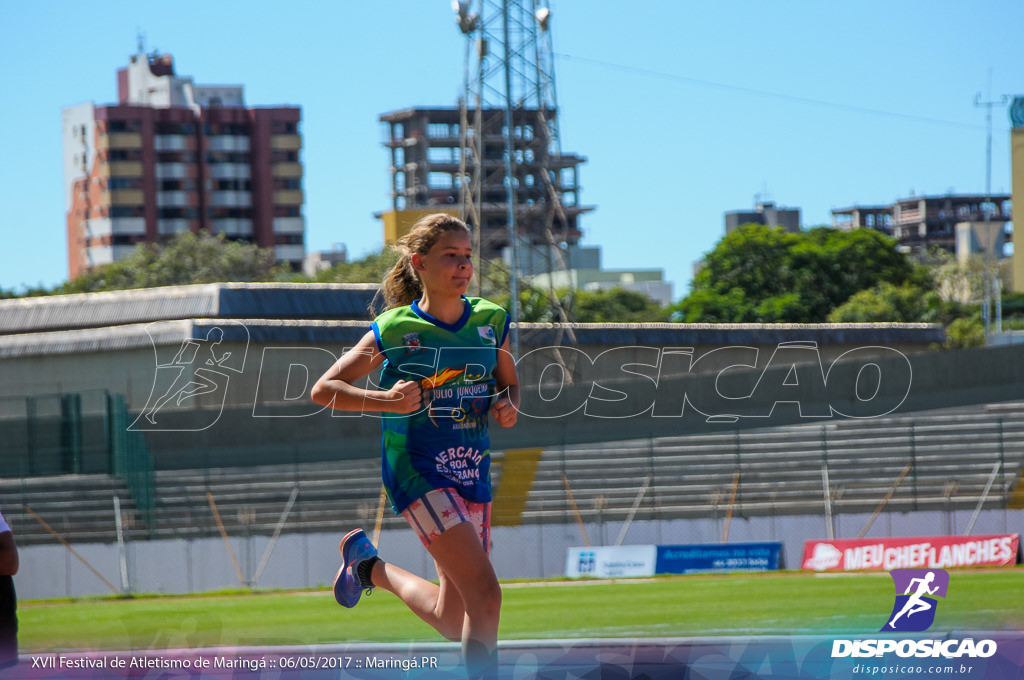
(944,460)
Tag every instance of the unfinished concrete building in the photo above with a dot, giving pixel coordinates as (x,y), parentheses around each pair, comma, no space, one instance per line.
(427,165)
(877,217)
(920,222)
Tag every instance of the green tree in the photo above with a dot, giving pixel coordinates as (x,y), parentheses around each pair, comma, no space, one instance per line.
(965,332)
(885,302)
(616,305)
(31,291)
(535,303)
(704,306)
(759,273)
(186,258)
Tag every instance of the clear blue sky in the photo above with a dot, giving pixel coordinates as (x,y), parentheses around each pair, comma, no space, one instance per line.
(684,110)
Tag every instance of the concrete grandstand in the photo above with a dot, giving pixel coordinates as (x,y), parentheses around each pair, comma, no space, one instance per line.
(705,419)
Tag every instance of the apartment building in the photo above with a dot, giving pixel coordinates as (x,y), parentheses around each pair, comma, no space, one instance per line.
(173,156)
(766,213)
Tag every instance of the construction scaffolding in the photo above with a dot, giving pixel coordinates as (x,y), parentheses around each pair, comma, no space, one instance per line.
(496,157)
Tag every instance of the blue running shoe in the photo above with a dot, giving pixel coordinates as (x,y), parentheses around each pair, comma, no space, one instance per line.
(355,549)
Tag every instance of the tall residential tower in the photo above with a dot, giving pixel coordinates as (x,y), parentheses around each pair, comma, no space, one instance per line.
(172,156)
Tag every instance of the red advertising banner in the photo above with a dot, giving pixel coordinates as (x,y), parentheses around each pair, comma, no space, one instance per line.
(926,552)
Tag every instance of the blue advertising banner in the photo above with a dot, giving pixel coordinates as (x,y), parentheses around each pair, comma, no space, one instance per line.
(692,559)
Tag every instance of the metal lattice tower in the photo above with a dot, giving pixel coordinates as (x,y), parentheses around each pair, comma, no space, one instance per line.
(517,189)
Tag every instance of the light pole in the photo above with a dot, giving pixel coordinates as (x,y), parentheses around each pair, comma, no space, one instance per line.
(990,283)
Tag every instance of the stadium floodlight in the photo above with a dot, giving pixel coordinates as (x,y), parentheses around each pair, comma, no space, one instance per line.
(543,17)
(467,22)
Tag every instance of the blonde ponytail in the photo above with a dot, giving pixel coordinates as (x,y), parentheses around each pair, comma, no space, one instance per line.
(401,285)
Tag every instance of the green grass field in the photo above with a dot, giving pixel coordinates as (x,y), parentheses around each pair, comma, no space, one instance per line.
(720,605)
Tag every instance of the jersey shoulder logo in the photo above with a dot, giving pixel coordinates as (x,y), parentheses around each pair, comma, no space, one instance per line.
(412,343)
(487,335)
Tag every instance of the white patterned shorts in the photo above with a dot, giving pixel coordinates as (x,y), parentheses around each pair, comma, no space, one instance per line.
(441,509)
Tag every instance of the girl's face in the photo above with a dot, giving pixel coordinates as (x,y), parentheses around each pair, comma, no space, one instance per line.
(447,268)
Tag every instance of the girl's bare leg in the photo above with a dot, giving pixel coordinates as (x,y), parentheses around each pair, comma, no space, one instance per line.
(465,605)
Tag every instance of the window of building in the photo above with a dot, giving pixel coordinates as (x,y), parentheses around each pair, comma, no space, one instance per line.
(124,125)
(178,213)
(177,185)
(125,154)
(441,130)
(221,213)
(287,211)
(226,157)
(281,127)
(440,180)
(124,183)
(232,185)
(442,154)
(175,156)
(174,129)
(234,129)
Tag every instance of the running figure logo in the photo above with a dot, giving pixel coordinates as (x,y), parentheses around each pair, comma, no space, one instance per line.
(914,610)
(201,365)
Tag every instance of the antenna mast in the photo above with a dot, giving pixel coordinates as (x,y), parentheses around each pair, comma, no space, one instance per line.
(517,190)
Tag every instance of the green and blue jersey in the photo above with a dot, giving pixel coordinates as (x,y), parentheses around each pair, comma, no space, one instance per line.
(446,443)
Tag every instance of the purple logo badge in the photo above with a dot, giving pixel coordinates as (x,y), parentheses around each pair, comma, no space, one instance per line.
(916,590)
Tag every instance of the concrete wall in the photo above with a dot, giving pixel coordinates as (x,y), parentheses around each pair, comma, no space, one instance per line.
(260,413)
(251,422)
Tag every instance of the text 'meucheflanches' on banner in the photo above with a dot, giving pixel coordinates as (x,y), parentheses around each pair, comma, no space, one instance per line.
(918,552)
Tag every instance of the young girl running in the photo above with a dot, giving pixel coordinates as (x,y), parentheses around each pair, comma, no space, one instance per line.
(446,367)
